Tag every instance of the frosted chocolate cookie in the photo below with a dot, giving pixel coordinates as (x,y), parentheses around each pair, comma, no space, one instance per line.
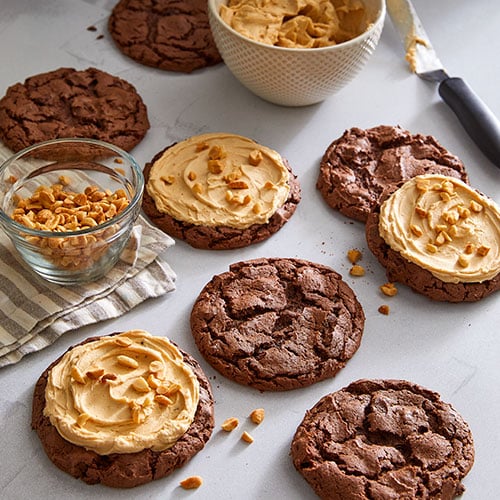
(69,103)
(362,167)
(123,410)
(384,439)
(220,191)
(440,237)
(277,324)
(172,35)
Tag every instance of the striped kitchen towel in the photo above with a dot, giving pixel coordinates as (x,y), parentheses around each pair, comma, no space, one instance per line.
(34,312)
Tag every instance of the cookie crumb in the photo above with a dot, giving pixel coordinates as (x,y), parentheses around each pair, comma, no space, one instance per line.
(191,482)
(257,415)
(230,424)
(247,437)
(91,28)
(384,309)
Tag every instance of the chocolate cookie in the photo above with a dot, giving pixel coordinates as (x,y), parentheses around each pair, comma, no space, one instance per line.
(124,470)
(173,35)
(69,103)
(277,324)
(384,439)
(398,269)
(220,237)
(363,167)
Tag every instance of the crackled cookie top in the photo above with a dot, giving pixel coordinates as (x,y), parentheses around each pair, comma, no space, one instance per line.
(277,324)
(72,103)
(172,35)
(122,394)
(383,439)
(444,226)
(219,179)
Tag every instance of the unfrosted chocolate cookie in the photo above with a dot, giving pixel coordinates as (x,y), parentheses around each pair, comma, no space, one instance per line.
(383,439)
(173,35)
(277,323)
(363,167)
(70,103)
(398,269)
(124,470)
(220,237)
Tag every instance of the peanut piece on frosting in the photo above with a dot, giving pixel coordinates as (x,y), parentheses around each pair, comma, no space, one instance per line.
(215,166)
(198,188)
(469,248)
(421,211)
(192,175)
(168,179)
(191,482)
(255,157)
(155,366)
(431,248)
(463,261)
(127,361)
(217,153)
(475,206)
(95,374)
(140,385)
(82,419)
(77,375)
(238,185)
(416,230)
(483,250)
(257,415)
(201,146)
(230,424)
(163,400)
(123,341)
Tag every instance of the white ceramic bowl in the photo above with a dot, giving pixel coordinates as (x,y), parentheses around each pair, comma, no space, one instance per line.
(71,252)
(295,77)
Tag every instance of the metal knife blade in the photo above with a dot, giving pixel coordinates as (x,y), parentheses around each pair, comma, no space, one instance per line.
(475,116)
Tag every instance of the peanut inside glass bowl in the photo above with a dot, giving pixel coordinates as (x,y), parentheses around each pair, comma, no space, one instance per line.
(299,76)
(69,206)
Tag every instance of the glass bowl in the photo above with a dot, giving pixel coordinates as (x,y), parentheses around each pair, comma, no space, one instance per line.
(69,205)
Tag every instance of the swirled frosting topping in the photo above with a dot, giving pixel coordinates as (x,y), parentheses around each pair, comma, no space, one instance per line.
(219,180)
(444,226)
(122,394)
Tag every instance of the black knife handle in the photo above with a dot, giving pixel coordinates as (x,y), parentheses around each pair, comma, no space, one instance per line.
(477,119)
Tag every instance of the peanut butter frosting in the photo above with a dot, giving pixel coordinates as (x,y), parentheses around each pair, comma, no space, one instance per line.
(296,23)
(445,226)
(219,179)
(122,394)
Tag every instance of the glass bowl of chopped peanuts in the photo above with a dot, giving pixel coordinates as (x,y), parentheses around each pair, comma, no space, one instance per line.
(69,206)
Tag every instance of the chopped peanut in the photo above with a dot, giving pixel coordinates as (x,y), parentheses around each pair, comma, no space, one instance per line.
(384,309)
(354,255)
(389,289)
(357,270)
(191,482)
(230,424)
(247,437)
(127,361)
(255,157)
(257,415)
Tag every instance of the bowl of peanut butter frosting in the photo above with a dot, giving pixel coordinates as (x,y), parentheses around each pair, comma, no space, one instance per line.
(296,52)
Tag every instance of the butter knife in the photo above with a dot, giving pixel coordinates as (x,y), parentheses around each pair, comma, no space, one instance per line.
(474,115)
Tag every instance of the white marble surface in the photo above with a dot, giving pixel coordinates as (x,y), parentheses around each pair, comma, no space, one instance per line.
(453,349)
